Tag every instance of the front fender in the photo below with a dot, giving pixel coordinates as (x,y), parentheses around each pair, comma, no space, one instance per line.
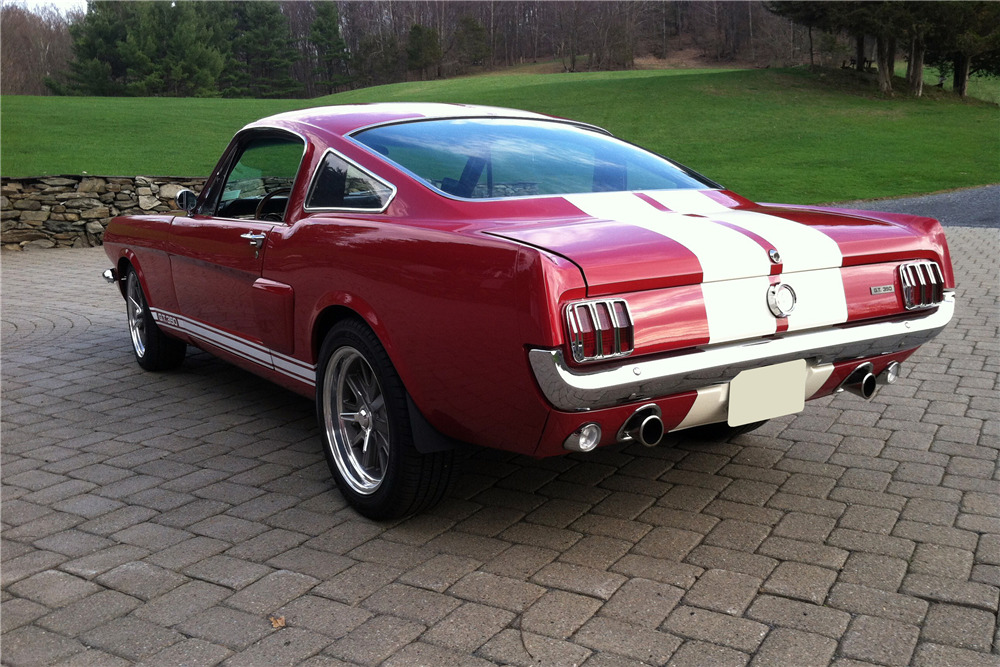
(142,243)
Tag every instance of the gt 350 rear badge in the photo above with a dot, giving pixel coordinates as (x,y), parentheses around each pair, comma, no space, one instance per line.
(883,289)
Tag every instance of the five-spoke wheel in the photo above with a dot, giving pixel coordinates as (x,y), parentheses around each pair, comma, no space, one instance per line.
(135,304)
(358,421)
(362,409)
(154,350)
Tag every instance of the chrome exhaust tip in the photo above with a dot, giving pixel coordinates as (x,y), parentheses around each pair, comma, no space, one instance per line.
(861,382)
(583,439)
(890,374)
(650,431)
(645,426)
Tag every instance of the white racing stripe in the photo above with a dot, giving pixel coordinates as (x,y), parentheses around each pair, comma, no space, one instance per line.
(240,347)
(724,253)
(820,299)
(735,268)
(802,247)
(688,201)
(810,259)
(737,309)
(711,405)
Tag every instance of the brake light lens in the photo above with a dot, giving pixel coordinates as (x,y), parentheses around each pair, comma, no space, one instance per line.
(923,284)
(600,329)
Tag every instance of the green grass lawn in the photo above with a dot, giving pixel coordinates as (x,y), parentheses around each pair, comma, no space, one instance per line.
(980,87)
(772,135)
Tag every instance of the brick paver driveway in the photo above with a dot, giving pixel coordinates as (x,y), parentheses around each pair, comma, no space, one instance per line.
(189,518)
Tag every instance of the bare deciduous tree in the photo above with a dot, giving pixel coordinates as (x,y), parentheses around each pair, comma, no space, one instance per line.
(35,45)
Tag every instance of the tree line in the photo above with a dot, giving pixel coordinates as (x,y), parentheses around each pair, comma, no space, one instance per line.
(960,38)
(307,49)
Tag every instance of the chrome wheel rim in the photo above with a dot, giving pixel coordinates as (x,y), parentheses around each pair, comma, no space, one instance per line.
(136,308)
(356,420)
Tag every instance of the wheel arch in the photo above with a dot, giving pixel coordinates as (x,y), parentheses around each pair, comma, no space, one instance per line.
(128,262)
(427,438)
(328,318)
(340,306)
(154,350)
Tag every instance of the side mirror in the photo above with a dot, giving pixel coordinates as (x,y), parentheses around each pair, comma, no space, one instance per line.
(187,200)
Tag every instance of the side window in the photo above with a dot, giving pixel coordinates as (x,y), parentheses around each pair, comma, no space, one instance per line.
(261,180)
(339,184)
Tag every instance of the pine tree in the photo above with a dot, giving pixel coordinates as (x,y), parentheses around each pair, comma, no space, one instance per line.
(171,52)
(423,49)
(262,53)
(333,68)
(471,43)
(98,68)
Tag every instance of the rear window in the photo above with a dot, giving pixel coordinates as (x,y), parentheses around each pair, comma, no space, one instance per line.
(490,158)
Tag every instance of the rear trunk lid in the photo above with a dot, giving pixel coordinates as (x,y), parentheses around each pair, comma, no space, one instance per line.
(634,241)
(703,267)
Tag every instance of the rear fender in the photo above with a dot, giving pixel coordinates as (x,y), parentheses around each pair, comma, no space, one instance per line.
(337,306)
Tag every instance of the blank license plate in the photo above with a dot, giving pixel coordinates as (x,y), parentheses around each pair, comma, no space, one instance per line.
(765,393)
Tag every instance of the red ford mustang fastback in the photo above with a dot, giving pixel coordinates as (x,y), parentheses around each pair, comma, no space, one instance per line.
(437,274)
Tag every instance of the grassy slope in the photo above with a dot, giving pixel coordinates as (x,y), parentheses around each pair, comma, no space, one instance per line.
(773,135)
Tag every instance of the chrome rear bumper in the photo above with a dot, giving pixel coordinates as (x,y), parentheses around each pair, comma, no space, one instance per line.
(573,389)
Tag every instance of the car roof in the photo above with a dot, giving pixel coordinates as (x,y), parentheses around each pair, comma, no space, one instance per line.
(348,118)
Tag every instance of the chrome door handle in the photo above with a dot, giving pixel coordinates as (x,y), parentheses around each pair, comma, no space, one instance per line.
(256,240)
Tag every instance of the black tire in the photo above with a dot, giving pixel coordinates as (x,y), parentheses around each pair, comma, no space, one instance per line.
(153,350)
(723,431)
(368,441)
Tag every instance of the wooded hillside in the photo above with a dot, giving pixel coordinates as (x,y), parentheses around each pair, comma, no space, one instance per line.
(307,49)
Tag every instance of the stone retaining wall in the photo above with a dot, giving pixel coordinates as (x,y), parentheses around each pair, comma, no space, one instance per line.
(74,211)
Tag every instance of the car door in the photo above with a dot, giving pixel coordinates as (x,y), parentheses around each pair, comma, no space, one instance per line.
(218,253)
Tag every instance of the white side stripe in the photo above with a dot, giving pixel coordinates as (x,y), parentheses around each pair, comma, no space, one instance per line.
(294,368)
(240,347)
(234,344)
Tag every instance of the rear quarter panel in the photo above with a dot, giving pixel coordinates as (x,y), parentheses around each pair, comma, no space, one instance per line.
(455,313)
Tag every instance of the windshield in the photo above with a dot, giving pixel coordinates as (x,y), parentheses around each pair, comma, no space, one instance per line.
(487,158)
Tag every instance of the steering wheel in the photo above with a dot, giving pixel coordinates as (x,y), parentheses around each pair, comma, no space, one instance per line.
(265,199)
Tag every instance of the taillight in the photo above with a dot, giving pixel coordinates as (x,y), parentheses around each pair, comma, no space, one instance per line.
(923,284)
(599,329)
